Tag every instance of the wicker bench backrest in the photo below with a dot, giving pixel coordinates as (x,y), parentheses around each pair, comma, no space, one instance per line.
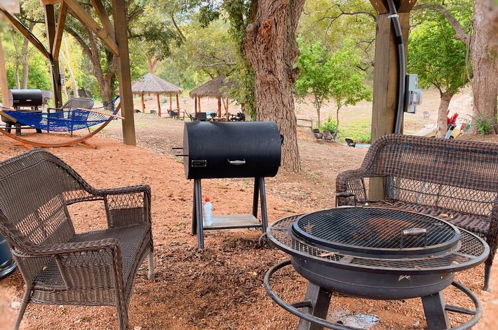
(455,175)
(35,189)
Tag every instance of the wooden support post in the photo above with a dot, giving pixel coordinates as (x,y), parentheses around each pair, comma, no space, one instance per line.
(385,89)
(56,77)
(104,19)
(170,102)
(226,110)
(121,36)
(143,101)
(21,28)
(158,104)
(84,17)
(219,107)
(177,106)
(61,21)
(195,107)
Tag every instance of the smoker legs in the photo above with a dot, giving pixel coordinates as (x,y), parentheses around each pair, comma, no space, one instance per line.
(319,301)
(264,215)
(198,213)
(255,200)
(435,314)
(259,199)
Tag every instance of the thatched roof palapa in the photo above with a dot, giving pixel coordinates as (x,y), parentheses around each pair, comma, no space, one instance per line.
(212,88)
(151,83)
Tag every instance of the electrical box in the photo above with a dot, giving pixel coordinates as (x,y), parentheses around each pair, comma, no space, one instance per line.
(413,96)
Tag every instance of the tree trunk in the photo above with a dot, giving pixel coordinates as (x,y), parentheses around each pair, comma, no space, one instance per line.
(484,62)
(271,48)
(442,114)
(337,121)
(4,84)
(25,58)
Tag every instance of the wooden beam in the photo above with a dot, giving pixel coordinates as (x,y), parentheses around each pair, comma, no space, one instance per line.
(19,26)
(54,69)
(61,22)
(81,14)
(219,107)
(385,89)
(379,6)
(49,2)
(402,6)
(143,102)
(170,102)
(195,106)
(158,104)
(121,36)
(406,6)
(104,19)
(177,106)
(226,110)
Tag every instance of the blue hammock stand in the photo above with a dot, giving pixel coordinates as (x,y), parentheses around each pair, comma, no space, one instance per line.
(62,121)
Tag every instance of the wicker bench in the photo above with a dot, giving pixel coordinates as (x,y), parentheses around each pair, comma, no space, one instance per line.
(59,266)
(456,181)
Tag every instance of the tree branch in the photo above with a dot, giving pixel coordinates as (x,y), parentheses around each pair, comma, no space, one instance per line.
(460,33)
(180,33)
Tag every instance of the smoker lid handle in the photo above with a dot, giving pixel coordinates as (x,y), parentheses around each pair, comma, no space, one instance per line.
(237,162)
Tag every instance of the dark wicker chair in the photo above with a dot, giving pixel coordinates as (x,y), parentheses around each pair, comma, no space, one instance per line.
(62,267)
(456,181)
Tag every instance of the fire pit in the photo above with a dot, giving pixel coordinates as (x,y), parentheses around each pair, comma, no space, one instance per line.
(376,253)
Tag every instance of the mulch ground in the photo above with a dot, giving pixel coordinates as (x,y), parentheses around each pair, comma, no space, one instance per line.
(221,286)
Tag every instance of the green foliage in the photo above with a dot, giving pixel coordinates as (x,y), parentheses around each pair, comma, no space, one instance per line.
(330,125)
(437,58)
(315,74)
(331,21)
(327,76)
(358,130)
(484,126)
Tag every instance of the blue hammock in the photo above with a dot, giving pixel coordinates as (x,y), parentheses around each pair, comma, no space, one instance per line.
(62,121)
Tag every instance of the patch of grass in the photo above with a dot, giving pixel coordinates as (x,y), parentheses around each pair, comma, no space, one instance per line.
(358,130)
(484,126)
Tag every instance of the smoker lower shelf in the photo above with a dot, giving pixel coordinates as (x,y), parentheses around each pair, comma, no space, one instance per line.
(234,221)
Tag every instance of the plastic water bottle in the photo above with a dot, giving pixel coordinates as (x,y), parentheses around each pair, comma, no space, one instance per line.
(208,212)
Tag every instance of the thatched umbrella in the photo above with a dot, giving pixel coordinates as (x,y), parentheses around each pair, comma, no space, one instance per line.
(152,84)
(213,88)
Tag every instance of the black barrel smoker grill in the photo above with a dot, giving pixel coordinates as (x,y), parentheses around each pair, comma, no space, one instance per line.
(26,100)
(230,150)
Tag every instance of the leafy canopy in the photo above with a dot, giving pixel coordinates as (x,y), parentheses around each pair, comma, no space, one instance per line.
(437,58)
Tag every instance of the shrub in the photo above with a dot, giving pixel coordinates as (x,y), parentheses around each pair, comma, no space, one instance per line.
(484,126)
(330,125)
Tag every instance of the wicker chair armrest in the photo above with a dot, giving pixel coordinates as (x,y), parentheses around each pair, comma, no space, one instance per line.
(127,206)
(350,187)
(70,247)
(123,190)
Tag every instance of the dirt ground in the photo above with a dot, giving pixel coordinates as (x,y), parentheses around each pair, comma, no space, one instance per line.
(221,286)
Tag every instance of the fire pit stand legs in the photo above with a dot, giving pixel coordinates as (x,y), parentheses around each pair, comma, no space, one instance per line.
(435,313)
(313,310)
(229,221)
(317,302)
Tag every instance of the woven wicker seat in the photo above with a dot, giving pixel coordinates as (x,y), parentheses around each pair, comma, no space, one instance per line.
(456,181)
(62,267)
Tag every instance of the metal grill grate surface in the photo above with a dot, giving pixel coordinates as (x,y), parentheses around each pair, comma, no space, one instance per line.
(472,251)
(376,230)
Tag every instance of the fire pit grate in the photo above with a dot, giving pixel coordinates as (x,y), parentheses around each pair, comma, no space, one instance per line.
(376,231)
(281,234)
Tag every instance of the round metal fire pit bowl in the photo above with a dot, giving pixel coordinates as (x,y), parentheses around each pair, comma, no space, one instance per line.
(376,271)
(296,308)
